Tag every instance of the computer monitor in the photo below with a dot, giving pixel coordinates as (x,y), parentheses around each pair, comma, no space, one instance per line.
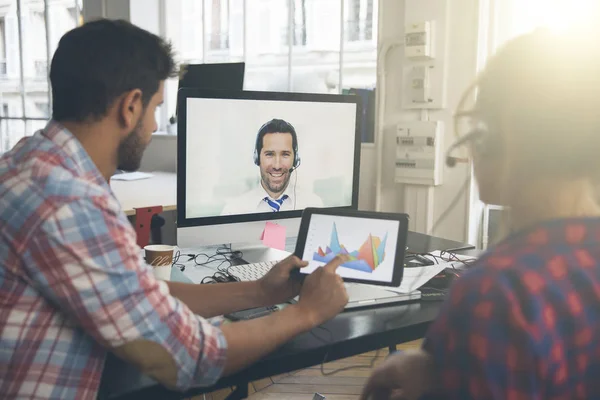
(222,76)
(245,158)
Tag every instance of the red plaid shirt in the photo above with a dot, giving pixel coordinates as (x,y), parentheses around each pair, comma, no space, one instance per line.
(524,323)
(73,284)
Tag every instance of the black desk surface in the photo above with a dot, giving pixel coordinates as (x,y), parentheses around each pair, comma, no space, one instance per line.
(349,334)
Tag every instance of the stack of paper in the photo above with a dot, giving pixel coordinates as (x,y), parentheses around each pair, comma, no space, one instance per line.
(130,176)
(415,277)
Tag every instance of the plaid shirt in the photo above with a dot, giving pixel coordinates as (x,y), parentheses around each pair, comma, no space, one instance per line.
(73,284)
(525,322)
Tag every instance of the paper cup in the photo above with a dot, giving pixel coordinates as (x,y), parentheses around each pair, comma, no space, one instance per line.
(160,257)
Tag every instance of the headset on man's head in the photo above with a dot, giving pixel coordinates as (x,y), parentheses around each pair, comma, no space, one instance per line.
(263,131)
(485,142)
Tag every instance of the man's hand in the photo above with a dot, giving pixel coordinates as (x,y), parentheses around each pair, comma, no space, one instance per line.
(276,286)
(404,376)
(323,294)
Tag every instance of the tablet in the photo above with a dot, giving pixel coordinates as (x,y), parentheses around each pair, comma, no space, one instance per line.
(374,242)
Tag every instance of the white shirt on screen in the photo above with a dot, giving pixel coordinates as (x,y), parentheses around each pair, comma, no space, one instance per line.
(253,201)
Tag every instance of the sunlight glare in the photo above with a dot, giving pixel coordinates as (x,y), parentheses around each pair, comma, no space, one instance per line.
(558,15)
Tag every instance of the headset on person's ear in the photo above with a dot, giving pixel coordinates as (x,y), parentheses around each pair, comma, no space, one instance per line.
(451,161)
(259,137)
(484,143)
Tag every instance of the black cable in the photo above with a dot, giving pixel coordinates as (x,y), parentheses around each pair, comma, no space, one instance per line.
(446,212)
(451,206)
(176,261)
(223,255)
(454,257)
(350,367)
(295,183)
(220,277)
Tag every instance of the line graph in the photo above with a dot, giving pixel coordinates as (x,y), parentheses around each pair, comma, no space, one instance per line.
(366,259)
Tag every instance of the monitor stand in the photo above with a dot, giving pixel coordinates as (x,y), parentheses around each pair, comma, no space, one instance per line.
(254,253)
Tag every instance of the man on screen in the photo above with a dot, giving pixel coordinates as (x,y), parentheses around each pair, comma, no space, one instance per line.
(276,155)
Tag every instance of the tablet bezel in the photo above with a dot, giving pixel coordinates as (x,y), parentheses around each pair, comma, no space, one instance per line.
(400,245)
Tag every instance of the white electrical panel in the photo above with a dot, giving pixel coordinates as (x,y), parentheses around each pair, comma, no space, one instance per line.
(419,153)
(420,85)
(424,67)
(418,40)
(424,87)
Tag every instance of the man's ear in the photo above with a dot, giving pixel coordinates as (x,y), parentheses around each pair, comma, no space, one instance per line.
(130,109)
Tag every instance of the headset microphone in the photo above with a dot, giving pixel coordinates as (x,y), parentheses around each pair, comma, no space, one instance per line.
(469,137)
(291,170)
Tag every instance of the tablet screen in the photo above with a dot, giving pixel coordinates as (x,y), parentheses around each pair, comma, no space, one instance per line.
(370,243)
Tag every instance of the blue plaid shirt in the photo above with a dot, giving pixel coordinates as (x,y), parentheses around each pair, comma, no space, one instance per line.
(524,322)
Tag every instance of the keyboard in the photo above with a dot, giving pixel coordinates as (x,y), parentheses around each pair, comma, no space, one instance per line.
(251,272)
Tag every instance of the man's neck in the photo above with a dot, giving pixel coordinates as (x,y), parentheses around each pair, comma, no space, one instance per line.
(271,194)
(553,199)
(98,142)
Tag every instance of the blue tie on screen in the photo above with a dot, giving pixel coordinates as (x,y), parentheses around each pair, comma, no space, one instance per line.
(275,204)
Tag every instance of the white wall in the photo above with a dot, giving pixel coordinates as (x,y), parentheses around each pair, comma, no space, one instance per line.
(422,204)
(366,186)
(155,157)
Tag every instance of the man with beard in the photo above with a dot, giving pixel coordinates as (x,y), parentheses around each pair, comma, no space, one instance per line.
(73,284)
(276,155)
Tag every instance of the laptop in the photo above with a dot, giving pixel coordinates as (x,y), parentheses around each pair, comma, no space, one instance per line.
(361,296)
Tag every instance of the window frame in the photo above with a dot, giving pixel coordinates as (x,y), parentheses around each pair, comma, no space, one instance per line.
(37,76)
(211,55)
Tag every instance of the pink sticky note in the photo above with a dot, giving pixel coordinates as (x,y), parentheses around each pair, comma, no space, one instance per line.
(274,236)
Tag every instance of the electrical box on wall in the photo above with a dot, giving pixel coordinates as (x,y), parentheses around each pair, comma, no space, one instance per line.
(424,67)
(423,87)
(419,153)
(420,85)
(418,40)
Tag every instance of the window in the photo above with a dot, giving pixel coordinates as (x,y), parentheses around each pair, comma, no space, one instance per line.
(218,25)
(2,48)
(29,34)
(287,45)
(359,24)
(74,15)
(43,109)
(299,30)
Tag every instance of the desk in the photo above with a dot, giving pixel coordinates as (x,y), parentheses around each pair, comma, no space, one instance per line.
(350,333)
(158,190)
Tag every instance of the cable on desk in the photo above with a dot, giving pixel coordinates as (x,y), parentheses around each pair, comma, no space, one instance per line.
(453,257)
(220,277)
(445,256)
(224,255)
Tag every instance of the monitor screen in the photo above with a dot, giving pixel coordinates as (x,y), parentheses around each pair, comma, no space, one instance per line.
(260,155)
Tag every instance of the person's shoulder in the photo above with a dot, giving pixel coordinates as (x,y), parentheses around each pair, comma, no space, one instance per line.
(237,204)
(36,182)
(500,272)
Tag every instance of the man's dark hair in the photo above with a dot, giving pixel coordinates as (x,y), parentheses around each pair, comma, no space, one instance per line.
(99,61)
(276,126)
